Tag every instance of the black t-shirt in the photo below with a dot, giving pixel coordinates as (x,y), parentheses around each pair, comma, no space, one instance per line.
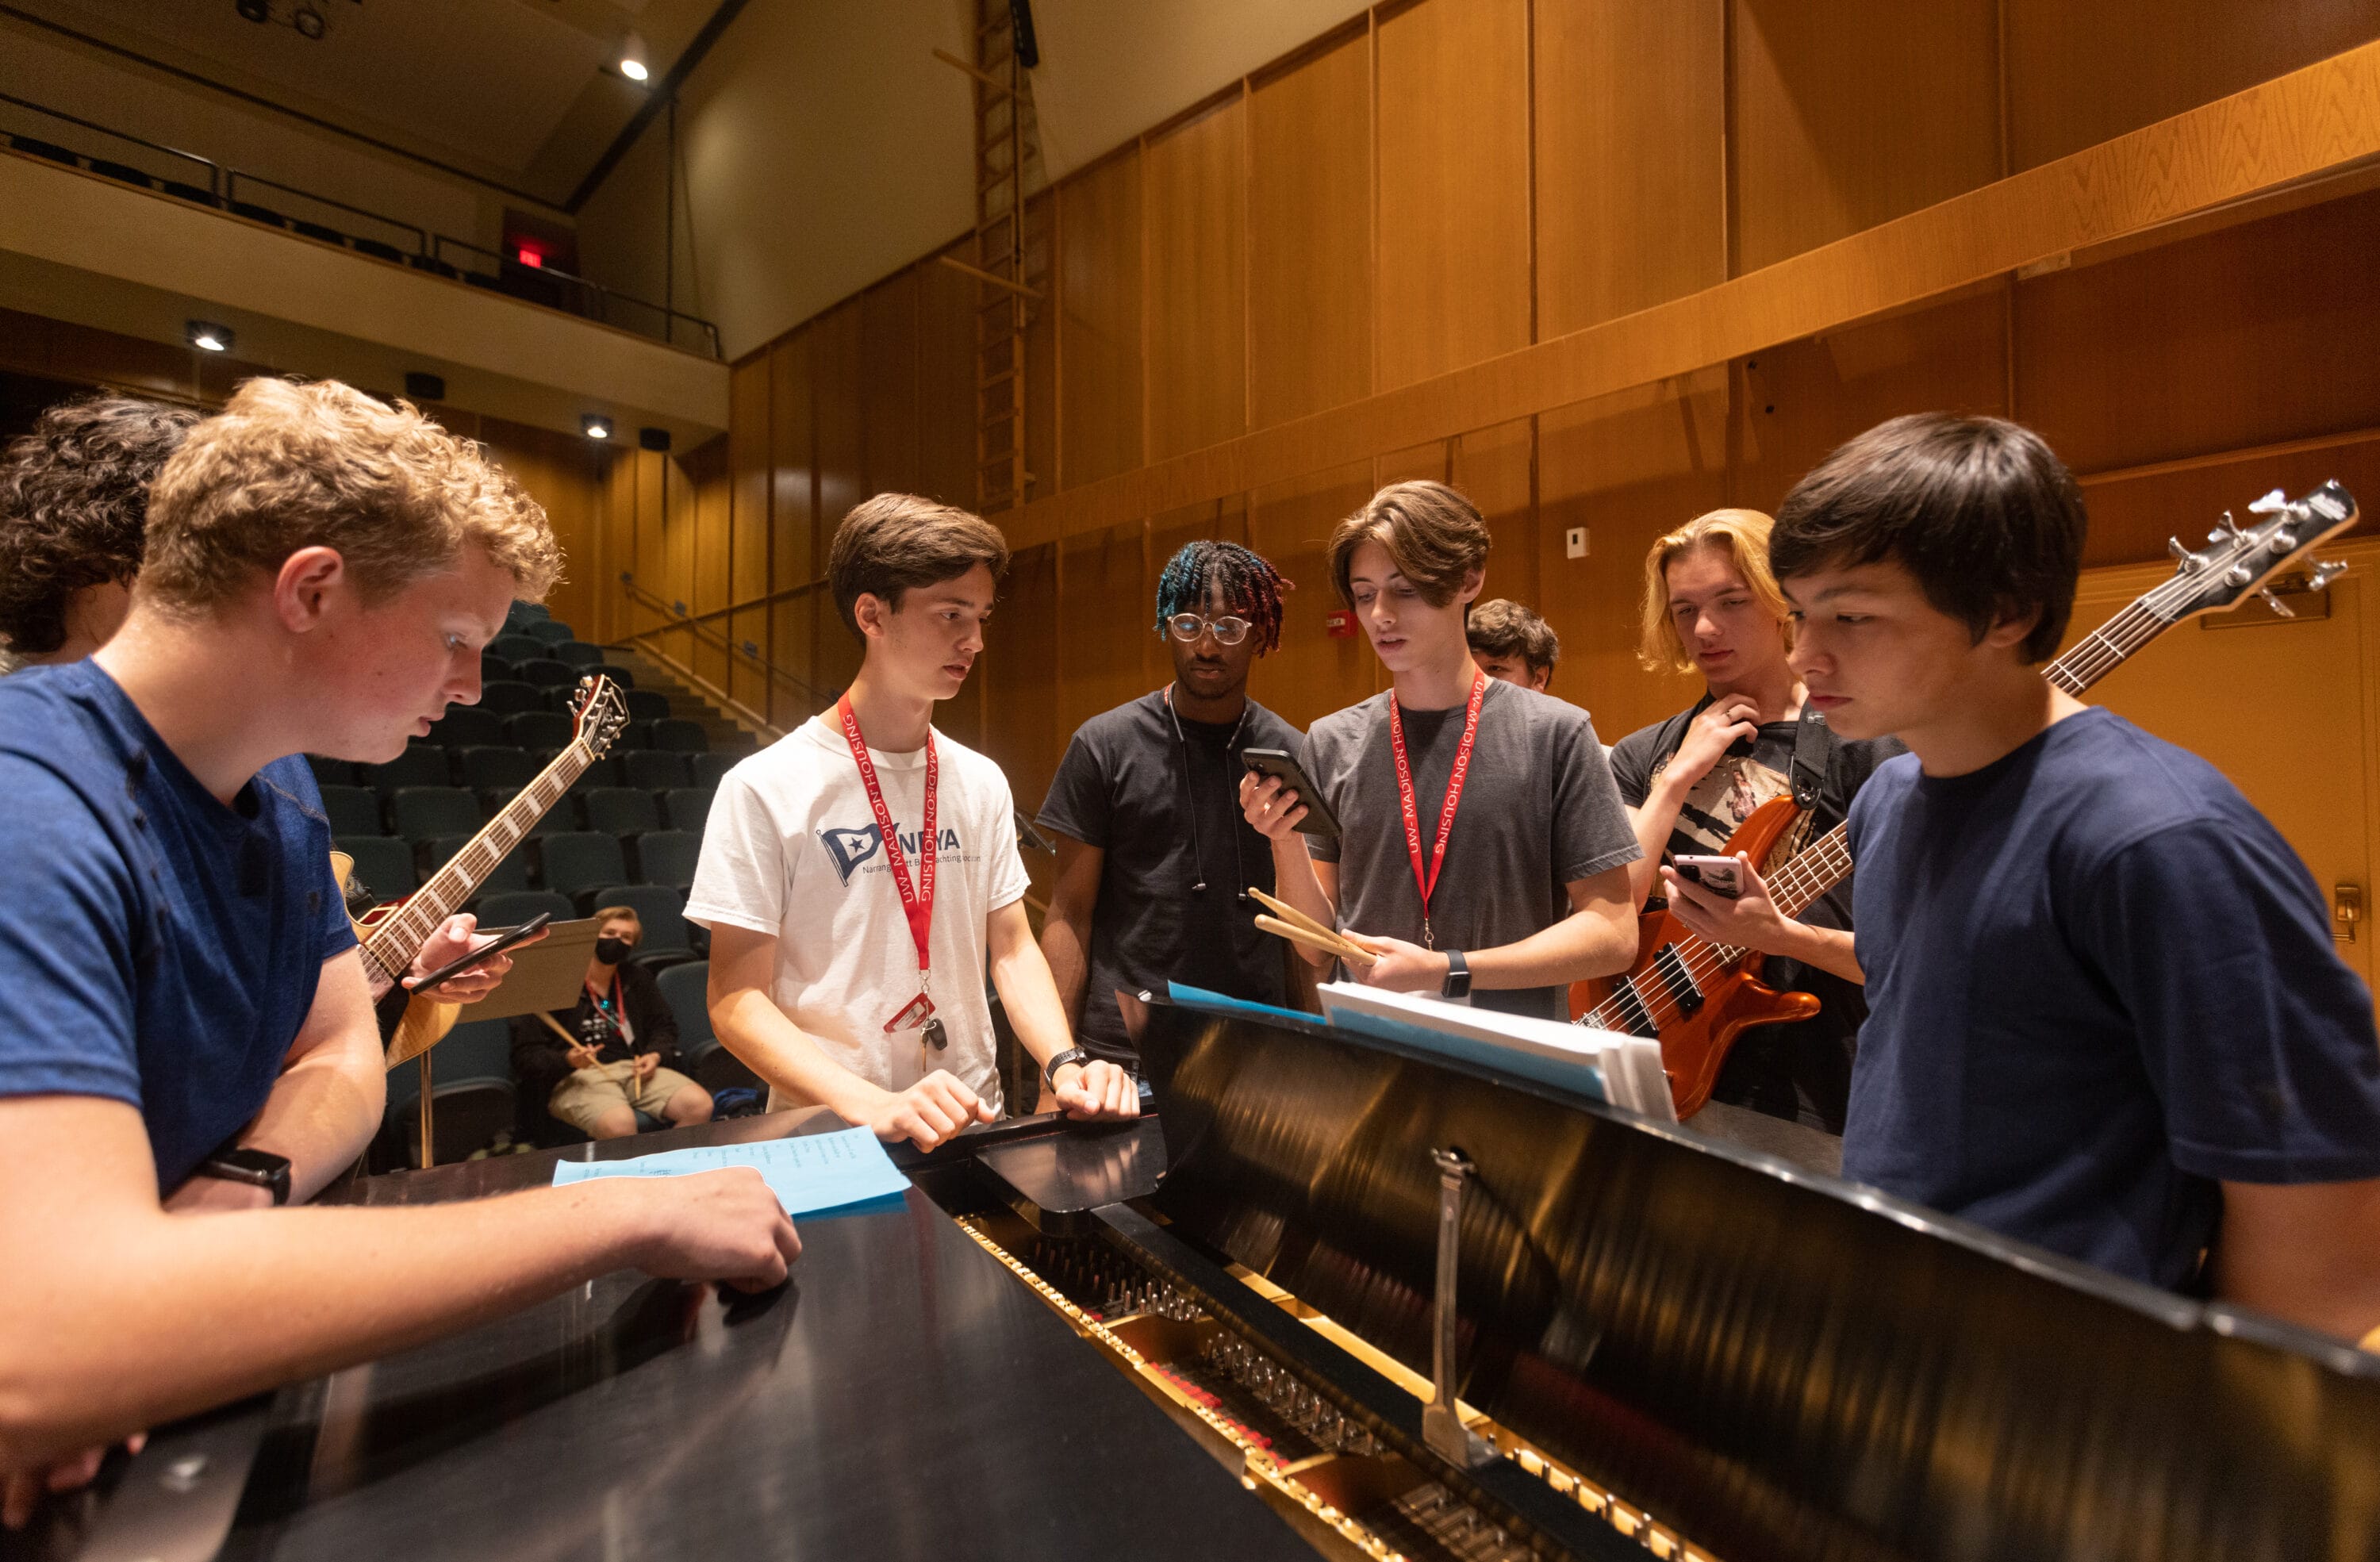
(1801,1071)
(542,1060)
(1122,788)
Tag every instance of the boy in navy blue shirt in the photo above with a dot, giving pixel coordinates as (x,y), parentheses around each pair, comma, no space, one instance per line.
(2104,1015)
(179,995)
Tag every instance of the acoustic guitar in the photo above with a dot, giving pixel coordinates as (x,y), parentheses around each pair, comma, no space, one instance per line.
(1696,997)
(392,934)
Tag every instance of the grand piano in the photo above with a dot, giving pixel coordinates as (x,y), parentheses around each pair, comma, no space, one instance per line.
(1339,1295)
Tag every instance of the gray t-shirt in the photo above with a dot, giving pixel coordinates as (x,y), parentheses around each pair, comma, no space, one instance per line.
(1538,811)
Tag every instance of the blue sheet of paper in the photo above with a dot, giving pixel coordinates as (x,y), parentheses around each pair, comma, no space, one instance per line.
(808,1172)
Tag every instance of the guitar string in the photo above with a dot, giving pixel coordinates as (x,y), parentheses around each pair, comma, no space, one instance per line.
(1817,868)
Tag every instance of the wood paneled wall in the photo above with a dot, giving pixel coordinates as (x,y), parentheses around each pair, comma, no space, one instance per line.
(1444,181)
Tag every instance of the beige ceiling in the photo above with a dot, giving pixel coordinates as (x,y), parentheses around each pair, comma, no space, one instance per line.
(520,92)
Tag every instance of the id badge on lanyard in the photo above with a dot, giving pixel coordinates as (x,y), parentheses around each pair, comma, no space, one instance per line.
(1426,879)
(917,899)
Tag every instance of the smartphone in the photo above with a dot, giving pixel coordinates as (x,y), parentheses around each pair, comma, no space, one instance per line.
(1318,819)
(502,942)
(1722,876)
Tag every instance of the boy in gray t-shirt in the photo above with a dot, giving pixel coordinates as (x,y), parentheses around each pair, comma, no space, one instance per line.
(1522,887)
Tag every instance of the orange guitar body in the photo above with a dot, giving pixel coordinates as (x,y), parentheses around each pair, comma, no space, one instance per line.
(1733,997)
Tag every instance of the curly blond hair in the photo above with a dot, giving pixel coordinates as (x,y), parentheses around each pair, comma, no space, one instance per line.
(287,466)
(1743,536)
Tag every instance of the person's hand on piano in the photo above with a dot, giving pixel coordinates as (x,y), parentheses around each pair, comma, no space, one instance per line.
(725,1226)
(21,1490)
(929,1112)
(1097,1089)
(1401,967)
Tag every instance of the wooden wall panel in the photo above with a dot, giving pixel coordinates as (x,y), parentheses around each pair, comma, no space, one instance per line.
(1100,393)
(1627,467)
(1453,235)
(1631,157)
(840,457)
(2082,74)
(946,301)
(1101,643)
(1041,376)
(2133,512)
(1432,462)
(1020,697)
(793,502)
(1849,114)
(888,386)
(750,476)
(1310,235)
(1311,674)
(1197,304)
(566,475)
(2234,338)
(1496,470)
(702,527)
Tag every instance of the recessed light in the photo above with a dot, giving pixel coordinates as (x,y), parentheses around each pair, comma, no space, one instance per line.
(207,336)
(634,69)
(595,426)
(632,58)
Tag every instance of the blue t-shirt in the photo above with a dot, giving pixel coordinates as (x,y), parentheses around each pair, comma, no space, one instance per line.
(160,949)
(2098,982)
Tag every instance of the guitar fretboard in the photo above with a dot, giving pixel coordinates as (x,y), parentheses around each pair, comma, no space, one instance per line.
(395,942)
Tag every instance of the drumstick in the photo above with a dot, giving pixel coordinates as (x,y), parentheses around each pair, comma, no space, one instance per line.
(1290,913)
(1296,935)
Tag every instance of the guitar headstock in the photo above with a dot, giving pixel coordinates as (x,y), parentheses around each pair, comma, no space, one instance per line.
(599,712)
(2237,561)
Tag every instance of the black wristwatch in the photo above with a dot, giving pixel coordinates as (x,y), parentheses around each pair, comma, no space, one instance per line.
(258,1169)
(1457,986)
(1072,1055)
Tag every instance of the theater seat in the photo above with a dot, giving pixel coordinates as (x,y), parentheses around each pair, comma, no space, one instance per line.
(540,731)
(575,863)
(509,697)
(384,865)
(687,807)
(620,810)
(653,771)
(681,737)
(515,646)
(425,812)
(470,1092)
(464,726)
(331,772)
(352,810)
(421,764)
(701,1054)
(508,876)
(547,673)
(578,653)
(646,704)
(668,856)
(548,630)
(710,769)
(497,766)
(510,908)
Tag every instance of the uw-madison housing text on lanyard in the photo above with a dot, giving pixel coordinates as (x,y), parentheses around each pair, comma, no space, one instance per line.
(916,900)
(1426,879)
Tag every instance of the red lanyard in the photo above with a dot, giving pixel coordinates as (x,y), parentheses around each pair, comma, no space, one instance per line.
(1427,882)
(917,902)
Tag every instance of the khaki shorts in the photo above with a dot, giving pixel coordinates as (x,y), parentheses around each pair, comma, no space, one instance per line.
(589,1092)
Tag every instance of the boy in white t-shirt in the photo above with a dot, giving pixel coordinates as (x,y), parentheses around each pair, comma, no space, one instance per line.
(818,978)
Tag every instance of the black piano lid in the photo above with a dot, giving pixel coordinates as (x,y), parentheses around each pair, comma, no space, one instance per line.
(1777,1363)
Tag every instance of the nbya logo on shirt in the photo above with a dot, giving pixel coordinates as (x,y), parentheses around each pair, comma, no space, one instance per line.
(853,849)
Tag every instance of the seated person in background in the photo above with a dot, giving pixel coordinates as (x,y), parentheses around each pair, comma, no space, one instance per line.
(1510,642)
(1485,853)
(2105,1011)
(619,1055)
(1154,858)
(74,508)
(186,1038)
(859,876)
(1711,608)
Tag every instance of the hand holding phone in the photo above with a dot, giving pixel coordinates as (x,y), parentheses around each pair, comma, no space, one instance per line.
(1722,876)
(485,952)
(1283,766)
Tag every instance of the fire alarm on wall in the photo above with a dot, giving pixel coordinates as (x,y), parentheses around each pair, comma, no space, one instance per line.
(1339,623)
(1574,543)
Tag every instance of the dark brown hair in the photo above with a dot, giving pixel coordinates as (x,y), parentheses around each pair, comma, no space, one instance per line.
(1977,509)
(895,541)
(1433,535)
(74,499)
(1504,627)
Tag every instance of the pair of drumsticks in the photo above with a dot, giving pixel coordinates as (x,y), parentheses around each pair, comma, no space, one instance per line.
(1300,928)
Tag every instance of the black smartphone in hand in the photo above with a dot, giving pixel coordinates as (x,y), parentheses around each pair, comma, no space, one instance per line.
(1319,819)
(486,952)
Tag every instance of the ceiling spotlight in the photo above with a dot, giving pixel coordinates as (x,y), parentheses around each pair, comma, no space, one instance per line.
(632,58)
(595,426)
(308,21)
(256,11)
(207,336)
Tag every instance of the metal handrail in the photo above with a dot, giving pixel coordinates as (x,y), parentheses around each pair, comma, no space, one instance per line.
(223,179)
(215,170)
(681,619)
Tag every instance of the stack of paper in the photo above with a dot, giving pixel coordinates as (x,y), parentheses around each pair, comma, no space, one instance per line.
(1623,1069)
(807,1173)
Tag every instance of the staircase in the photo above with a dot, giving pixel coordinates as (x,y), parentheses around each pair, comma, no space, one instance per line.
(728,735)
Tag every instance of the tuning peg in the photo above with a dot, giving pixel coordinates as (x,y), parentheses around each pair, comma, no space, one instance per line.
(2283,608)
(2182,555)
(2270,502)
(2324,574)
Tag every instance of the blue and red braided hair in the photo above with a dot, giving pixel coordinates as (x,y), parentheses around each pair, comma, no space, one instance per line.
(1249,587)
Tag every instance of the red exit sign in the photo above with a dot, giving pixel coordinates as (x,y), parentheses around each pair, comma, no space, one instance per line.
(1339,623)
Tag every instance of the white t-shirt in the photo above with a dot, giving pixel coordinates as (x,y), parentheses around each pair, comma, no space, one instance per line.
(791,848)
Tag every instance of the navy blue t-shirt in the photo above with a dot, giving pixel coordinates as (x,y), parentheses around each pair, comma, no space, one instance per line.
(2099,982)
(160,949)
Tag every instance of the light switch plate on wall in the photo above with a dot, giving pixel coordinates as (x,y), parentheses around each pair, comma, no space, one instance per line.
(1574,543)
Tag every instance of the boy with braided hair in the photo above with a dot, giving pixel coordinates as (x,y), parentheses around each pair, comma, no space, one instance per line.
(1154,859)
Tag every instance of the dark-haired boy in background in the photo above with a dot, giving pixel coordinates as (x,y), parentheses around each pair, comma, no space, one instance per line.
(1154,858)
(1510,642)
(2105,1012)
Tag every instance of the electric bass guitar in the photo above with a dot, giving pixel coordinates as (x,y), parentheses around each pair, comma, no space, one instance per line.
(1696,997)
(393,934)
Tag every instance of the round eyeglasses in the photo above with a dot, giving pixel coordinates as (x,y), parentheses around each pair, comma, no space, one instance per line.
(1188,626)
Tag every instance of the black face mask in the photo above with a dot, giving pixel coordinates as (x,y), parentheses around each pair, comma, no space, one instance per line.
(611,951)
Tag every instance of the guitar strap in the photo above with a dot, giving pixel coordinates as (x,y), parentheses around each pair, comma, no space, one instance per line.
(1812,742)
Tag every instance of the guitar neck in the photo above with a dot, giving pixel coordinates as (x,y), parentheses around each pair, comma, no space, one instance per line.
(397,941)
(1826,861)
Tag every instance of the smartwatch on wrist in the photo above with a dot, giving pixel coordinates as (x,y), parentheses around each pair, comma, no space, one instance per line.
(1072,1055)
(258,1169)
(1457,986)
